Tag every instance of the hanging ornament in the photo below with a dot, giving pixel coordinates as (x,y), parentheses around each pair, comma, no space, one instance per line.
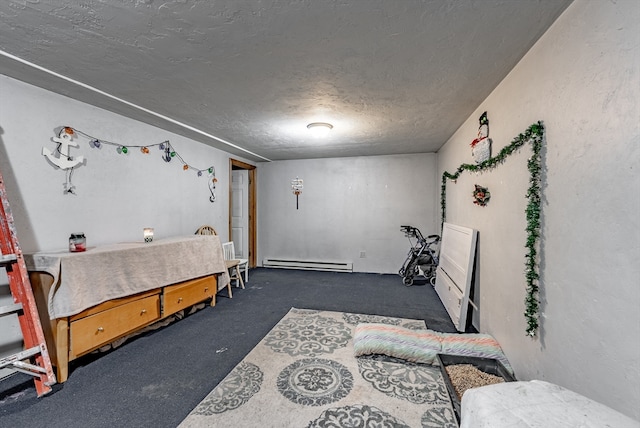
(212,185)
(481,146)
(69,188)
(481,196)
(296,186)
(167,152)
(60,157)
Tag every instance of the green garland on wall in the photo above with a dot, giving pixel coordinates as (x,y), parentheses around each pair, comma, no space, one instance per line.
(535,135)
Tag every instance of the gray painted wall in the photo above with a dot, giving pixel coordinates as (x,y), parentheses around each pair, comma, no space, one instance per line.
(347,206)
(582,80)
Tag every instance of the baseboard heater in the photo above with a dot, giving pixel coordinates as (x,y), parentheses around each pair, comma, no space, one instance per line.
(308,265)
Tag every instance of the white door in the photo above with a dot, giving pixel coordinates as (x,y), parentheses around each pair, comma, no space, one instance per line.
(240,212)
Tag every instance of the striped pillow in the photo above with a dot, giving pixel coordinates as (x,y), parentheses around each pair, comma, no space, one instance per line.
(422,346)
(474,345)
(418,346)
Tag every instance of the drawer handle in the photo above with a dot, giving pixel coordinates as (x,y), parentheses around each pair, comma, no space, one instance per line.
(100,329)
(142,312)
(179,299)
(206,289)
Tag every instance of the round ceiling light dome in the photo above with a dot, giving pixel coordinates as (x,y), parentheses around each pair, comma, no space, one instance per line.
(320,128)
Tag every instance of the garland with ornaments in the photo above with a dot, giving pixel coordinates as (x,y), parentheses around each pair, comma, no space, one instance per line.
(61,158)
(535,135)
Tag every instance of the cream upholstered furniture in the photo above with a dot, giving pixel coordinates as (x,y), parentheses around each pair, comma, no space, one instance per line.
(89,299)
(243,263)
(232,264)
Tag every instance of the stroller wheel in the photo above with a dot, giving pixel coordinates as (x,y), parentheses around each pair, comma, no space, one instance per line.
(432,280)
(408,281)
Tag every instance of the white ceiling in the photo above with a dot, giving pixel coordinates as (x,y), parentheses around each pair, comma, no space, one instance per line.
(392,76)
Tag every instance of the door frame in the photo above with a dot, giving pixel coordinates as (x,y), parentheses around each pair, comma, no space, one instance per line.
(252,189)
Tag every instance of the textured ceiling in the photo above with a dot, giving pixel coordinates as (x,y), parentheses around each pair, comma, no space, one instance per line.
(392,76)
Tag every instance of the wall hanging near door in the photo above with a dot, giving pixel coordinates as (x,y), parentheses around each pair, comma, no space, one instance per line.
(62,159)
(534,135)
(296,186)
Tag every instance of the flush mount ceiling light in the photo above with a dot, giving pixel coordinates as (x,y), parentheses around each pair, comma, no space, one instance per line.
(320,128)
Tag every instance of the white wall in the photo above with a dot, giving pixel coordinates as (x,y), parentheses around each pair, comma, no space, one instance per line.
(117,195)
(582,80)
(348,205)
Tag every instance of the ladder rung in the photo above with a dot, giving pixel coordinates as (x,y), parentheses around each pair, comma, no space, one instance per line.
(28,368)
(10,309)
(7,259)
(9,360)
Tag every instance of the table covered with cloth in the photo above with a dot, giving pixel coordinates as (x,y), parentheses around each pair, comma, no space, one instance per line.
(85,279)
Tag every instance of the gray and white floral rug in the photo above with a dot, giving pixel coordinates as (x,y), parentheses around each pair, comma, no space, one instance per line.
(304,374)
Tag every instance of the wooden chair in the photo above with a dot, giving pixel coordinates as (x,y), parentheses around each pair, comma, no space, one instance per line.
(209,230)
(244,263)
(233,265)
(206,230)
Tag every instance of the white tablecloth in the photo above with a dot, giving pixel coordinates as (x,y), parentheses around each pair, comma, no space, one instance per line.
(112,271)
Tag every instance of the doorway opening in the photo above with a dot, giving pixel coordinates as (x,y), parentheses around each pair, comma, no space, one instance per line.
(242,209)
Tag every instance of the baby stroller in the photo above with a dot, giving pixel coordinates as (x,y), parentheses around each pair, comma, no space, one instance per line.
(422,258)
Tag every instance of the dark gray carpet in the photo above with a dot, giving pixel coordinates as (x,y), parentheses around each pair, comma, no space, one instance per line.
(156,379)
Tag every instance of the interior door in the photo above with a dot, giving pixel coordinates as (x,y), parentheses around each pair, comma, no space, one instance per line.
(240,212)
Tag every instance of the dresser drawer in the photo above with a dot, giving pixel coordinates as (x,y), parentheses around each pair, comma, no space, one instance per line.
(185,294)
(103,327)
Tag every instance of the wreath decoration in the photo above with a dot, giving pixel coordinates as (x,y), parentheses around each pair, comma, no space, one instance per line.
(535,135)
(481,196)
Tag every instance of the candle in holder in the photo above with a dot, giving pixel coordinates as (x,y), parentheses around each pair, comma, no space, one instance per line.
(148,234)
(77,242)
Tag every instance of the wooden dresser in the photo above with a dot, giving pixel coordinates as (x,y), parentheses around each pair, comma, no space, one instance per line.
(74,336)
(82,329)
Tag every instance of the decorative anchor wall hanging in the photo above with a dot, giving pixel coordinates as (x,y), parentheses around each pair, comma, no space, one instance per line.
(61,158)
(296,186)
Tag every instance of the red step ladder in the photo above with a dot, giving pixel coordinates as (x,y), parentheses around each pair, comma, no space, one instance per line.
(34,359)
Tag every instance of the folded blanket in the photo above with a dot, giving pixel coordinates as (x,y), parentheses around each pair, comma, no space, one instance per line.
(422,346)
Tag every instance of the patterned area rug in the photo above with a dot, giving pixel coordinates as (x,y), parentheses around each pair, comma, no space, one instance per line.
(304,374)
